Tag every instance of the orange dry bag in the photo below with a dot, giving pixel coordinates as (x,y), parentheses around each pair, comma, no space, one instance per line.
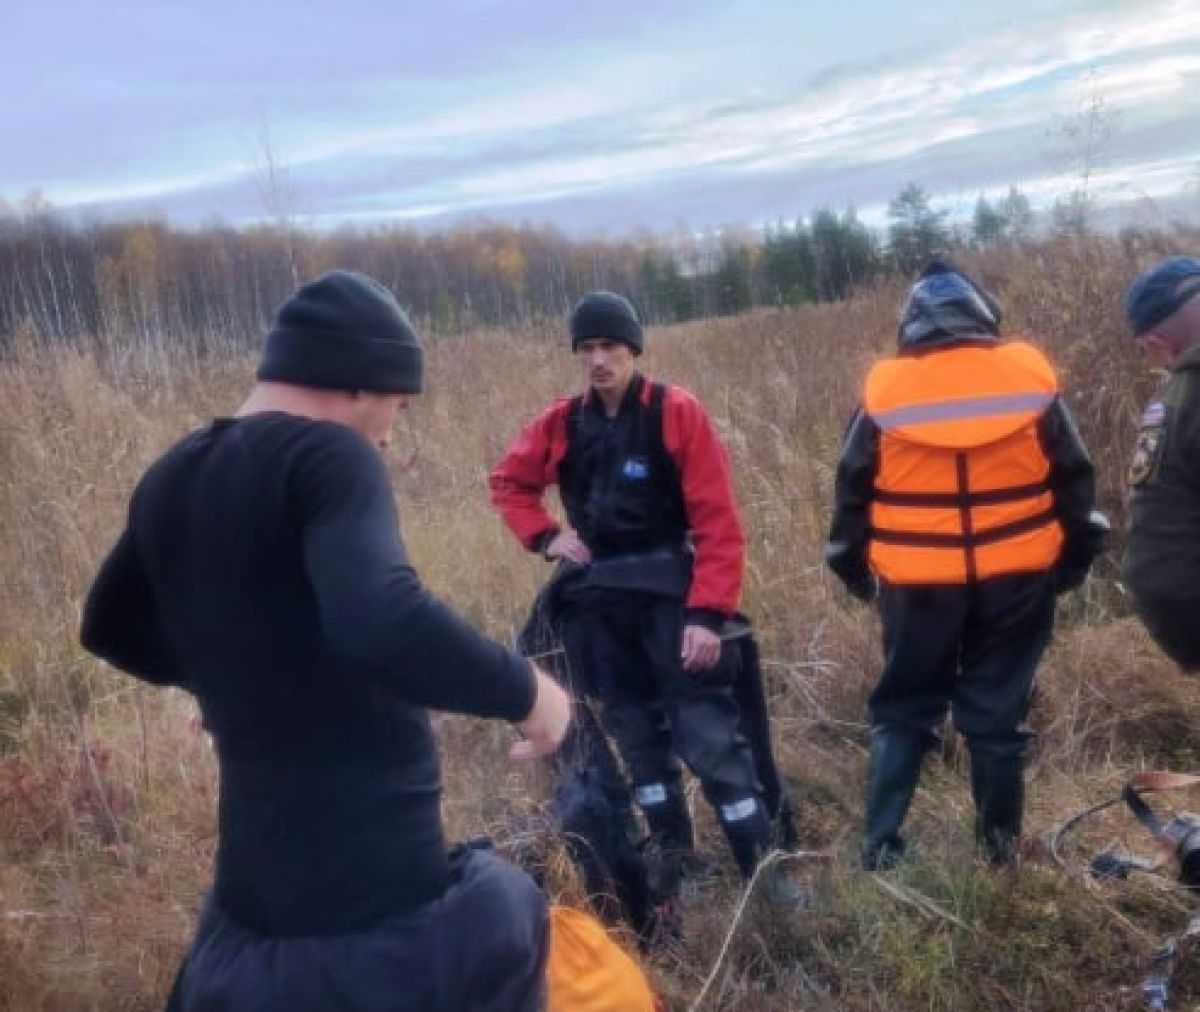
(589,972)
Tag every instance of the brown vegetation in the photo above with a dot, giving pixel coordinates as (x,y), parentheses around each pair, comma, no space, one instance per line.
(107,786)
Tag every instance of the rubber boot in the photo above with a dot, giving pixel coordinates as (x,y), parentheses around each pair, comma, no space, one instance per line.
(892,774)
(749,838)
(998,787)
(748,832)
(671,836)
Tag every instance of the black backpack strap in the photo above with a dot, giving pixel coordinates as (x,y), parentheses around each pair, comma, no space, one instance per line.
(574,410)
(654,416)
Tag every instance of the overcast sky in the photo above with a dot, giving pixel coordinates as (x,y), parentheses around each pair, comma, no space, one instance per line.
(593,116)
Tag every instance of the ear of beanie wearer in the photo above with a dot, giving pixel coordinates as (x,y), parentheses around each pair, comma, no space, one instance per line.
(343,331)
(606,315)
(1158,293)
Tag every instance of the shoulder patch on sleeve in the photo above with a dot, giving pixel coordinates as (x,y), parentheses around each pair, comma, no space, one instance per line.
(1149,440)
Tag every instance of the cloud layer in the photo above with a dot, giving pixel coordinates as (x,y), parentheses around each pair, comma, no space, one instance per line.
(607,117)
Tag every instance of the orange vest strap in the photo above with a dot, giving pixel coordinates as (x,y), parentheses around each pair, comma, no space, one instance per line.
(948,500)
(928,539)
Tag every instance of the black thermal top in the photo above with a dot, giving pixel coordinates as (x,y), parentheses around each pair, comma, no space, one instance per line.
(262,569)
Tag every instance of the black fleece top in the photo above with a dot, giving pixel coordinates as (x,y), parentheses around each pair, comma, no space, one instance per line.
(262,569)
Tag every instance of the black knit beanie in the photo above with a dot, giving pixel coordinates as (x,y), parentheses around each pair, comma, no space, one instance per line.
(600,315)
(343,331)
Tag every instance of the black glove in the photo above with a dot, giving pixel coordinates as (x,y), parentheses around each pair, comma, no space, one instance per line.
(1070,573)
(864,588)
(850,566)
(1080,552)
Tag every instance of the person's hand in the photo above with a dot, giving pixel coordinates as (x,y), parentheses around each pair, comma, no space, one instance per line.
(566,544)
(701,648)
(546,726)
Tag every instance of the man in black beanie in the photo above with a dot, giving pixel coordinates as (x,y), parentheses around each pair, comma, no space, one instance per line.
(1162,563)
(262,570)
(652,525)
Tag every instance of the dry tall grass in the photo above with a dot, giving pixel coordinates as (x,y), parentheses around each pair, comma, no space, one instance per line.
(107,786)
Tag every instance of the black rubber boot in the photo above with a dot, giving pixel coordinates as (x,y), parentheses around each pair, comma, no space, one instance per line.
(750,839)
(672,840)
(998,787)
(895,767)
(747,831)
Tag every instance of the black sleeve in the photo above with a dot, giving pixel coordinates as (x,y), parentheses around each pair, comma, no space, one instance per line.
(373,608)
(120,623)
(1073,486)
(1189,424)
(846,550)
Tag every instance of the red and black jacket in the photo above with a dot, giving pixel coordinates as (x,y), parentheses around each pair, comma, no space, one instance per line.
(650,477)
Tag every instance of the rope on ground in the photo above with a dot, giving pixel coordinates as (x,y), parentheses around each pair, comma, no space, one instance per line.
(773,858)
(918,900)
(48,915)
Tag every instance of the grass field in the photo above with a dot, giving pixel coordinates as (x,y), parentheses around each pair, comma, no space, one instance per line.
(107,787)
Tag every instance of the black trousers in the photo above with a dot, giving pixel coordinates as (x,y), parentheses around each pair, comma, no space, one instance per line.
(623,647)
(972,649)
(481,946)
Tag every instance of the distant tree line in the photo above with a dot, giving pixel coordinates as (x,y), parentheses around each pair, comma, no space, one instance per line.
(151,285)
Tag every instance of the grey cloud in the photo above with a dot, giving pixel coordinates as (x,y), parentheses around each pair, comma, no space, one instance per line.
(370,62)
(702,196)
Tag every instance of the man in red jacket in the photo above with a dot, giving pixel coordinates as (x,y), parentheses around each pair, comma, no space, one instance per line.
(652,522)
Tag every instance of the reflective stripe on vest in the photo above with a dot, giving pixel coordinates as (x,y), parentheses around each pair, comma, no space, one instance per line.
(962,487)
(965,407)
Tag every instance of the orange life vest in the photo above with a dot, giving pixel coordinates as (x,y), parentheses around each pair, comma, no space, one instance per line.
(588,972)
(961,491)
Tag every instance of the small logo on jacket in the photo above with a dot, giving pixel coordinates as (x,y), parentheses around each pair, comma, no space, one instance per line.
(636,468)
